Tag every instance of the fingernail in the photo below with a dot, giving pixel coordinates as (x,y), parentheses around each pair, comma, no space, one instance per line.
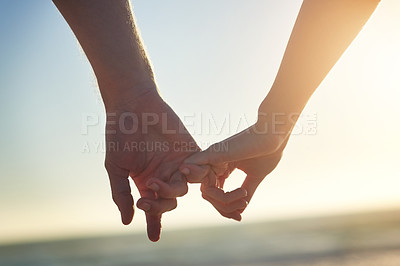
(155,187)
(185,171)
(145,206)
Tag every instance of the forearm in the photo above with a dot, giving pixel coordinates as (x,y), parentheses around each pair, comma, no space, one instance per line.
(107,33)
(322,32)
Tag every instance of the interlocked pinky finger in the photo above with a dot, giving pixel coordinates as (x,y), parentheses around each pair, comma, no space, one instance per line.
(176,187)
(225,198)
(157,206)
(227,208)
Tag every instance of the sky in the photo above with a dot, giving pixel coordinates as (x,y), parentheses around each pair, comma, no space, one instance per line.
(214,62)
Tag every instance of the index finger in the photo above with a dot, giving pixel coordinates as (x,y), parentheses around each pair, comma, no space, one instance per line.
(121,191)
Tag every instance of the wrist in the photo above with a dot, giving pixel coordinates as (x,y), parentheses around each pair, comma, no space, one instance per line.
(120,94)
(276,116)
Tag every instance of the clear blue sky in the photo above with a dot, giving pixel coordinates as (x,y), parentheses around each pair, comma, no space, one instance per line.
(213,60)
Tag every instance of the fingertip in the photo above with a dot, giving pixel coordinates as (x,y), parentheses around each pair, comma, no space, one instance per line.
(154,238)
(125,221)
(154,186)
(127,216)
(237,217)
(185,170)
(127,210)
(153,227)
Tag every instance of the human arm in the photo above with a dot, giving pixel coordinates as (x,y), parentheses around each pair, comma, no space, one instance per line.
(109,37)
(322,32)
(107,32)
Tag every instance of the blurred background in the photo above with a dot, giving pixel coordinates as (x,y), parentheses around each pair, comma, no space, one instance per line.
(333,198)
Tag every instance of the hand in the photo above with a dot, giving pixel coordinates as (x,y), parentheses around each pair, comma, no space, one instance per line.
(146,141)
(212,166)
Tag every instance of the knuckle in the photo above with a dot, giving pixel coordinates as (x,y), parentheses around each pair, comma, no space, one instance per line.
(204,196)
(107,165)
(119,198)
(174,204)
(116,198)
(184,191)
(243,204)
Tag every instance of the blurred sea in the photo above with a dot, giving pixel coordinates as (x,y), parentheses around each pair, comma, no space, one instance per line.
(357,239)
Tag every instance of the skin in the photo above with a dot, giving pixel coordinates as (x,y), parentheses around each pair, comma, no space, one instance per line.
(153,168)
(107,33)
(211,170)
(322,32)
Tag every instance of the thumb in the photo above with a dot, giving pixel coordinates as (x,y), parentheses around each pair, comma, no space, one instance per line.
(235,148)
(196,167)
(244,145)
(195,173)
(199,158)
(216,153)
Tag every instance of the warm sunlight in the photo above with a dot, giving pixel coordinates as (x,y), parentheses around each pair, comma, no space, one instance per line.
(214,63)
